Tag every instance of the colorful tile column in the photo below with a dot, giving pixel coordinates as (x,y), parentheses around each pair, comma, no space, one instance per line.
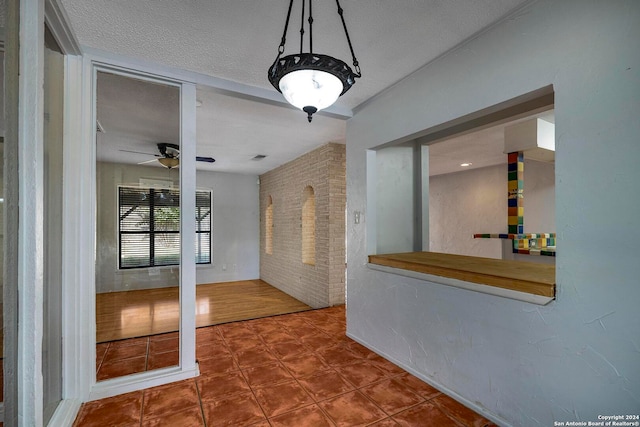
(516,192)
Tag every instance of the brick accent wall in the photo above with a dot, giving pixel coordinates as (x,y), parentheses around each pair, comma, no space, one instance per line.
(322,284)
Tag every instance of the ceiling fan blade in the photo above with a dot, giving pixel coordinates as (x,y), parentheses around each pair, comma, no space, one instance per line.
(139,152)
(205,159)
(148,161)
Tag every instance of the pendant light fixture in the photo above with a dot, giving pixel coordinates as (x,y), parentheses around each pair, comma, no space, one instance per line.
(311,81)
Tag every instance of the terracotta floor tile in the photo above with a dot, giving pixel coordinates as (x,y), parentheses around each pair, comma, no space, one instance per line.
(361,350)
(277,336)
(318,341)
(352,409)
(388,367)
(417,385)
(361,373)
(272,373)
(235,330)
(208,334)
(332,328)
(101,350)
(162,337)
(242,343)
(163,360)
(130,341)
(325,384)
(309,416)
(217,365)
(424,414)
(209,350)
(123,410)
(192,417)
(280,398)
(254,356)
(216,387)
(125,352)
(235,411)
(263,325)
(288,349)
(169,398)
(291,322)
(304,364)
(337,355)
(459,412)
(119,368)
(163,346)
(387,422)
(392,396)
(305,331)
(310,346)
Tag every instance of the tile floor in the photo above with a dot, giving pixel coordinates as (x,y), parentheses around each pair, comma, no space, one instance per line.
(291,370)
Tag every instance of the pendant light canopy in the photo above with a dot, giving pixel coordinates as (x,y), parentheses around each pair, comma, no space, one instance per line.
(311,81)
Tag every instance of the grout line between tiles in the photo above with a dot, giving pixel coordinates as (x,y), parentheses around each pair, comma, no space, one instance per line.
(204,418)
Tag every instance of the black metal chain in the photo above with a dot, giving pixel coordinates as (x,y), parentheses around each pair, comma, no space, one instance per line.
(302,27)
(284,34)
(356,66)
(310,28)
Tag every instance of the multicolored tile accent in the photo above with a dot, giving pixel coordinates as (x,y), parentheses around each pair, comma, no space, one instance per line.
(515,184)
(529,243)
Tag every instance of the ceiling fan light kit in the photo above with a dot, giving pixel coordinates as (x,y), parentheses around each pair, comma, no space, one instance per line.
(312,81)
(169,162)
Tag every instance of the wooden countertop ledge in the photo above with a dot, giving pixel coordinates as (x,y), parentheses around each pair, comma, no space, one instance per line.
(532,278)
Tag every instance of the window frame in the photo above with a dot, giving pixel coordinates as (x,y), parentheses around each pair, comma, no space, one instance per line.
(152,231)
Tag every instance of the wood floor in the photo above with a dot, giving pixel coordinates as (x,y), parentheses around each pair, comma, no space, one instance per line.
(130,314)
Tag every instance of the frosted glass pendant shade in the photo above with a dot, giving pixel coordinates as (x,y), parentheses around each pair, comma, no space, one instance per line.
(310,88)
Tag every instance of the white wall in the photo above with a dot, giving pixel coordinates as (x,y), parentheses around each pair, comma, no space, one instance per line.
(394,204)
(236,233)
(524,365)
(236,227)
(475,201)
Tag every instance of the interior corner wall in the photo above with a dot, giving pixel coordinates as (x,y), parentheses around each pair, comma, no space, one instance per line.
(322,284)
(395,200)
(235,230)
(522,364)
(464,203)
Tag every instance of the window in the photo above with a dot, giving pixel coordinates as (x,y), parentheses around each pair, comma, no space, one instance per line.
(149,227)
(309,226)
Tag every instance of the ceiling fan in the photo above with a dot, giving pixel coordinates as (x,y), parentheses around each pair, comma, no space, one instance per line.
(169,156)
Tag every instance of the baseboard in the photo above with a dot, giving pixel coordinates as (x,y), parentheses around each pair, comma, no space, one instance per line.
(65,413)
(480,410)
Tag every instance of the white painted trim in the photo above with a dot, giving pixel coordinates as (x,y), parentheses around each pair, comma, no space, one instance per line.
(476,287)
(57,21)
(187,367)
(65,414)
(31,213)
(75,220)
(371,215)
(188,227)
(141,381)
(446,390)
(227,87)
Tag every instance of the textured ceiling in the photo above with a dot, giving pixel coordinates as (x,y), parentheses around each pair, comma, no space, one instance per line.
(236,40)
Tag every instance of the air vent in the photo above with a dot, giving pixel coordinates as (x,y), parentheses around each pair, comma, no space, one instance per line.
(259,157)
